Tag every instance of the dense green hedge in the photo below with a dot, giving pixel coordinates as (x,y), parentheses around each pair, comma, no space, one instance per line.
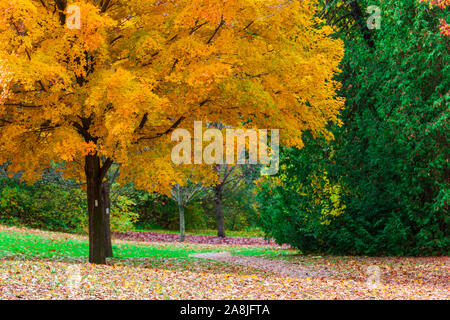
(44,206)
(389,163)
(52,206)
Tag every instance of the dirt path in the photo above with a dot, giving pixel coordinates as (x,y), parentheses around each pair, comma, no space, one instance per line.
(279,267)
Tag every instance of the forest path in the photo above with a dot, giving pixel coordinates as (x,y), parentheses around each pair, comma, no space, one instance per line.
(279,267)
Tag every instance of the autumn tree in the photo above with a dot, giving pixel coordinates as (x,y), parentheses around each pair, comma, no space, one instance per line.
(230,178)
(192,181)
(182,195)
(114,89)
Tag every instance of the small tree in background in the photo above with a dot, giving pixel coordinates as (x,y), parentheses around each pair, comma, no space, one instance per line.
(183,195)
(230,178)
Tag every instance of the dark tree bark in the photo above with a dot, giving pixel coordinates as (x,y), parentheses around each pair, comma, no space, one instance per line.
(359,18)
(95,210)
(61,4)
(107,211)
(219,212)
(95,174)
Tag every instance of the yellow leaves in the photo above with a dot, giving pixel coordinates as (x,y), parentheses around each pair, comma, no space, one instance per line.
(146,46)
(127,23)
(5,79)
(203,10)
(124,90)
(93,26)
(128,75)
(207,75)
(68,146)
(328,196)
(17,10)
(127,98)
(21,25)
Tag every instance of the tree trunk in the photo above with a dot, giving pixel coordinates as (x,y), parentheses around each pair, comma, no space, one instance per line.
(95,210)
(359,18)
(219,214)
(107,208)
(182,227)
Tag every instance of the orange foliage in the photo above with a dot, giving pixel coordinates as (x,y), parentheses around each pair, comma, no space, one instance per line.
(138,69)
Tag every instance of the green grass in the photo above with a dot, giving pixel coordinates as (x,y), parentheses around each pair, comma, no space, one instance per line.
(38,246)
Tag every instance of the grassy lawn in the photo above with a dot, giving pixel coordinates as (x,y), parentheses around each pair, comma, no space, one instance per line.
(37,264)
(47,246)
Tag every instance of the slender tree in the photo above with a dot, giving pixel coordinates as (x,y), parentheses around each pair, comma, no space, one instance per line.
(183,195)
(229,179)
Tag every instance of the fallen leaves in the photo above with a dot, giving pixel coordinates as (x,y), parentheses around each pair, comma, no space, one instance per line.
(270,276)
(204,239)
(49,280)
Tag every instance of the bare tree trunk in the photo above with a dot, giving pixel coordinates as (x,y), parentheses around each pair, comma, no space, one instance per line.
(107,208)
(219,213)
(95,210)
(182,226)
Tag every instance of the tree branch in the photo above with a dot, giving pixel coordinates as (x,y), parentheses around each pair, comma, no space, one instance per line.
(359,18)
(105,6)
(222,22)
(61,4)
(158,135)
(104,169)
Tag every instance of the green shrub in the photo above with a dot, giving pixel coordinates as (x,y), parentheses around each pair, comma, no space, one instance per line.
(52,206)
(44,206)
(390,157)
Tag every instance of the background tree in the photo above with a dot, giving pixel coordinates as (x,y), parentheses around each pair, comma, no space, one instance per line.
(349,19)
(230,178)
(114,90)
(183,195)
(388,166)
